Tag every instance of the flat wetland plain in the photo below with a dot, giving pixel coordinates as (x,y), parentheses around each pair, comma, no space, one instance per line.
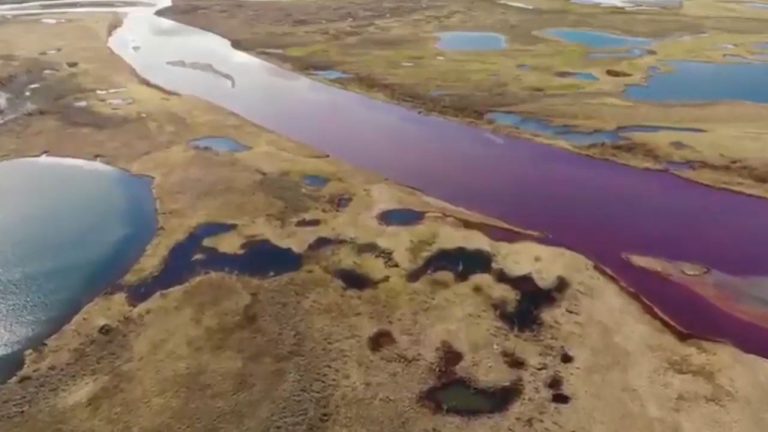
(286,290)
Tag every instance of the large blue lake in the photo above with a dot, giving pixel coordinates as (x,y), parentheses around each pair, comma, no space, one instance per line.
(68,229)
(692,82)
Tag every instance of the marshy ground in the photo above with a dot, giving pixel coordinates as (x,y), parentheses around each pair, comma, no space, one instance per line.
(423,325)
(392,50)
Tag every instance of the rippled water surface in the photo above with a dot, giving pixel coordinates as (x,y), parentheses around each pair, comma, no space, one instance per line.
(68,229)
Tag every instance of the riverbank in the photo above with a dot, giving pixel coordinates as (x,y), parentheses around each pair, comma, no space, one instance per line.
(322,347)
(391,52)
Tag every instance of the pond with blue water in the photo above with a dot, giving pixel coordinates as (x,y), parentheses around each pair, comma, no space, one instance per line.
(400,217)
(604,45)
(471,41)
(69,229)
(218,144)
(701,82)
(315,181)
(331,74)
(571,134)
(597,39)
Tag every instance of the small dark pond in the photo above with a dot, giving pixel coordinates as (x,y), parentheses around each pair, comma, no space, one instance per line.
(400,217)
(354,280)
(462,262)
(460,397)
(315,181)
(218,144)
(525,316)
(190,258)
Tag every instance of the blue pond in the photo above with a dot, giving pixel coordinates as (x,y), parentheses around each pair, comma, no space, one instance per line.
(331,74)
(218,144)
(698,82)
(606,45)
(191,258)
(69,229)
(597,39)
(571,134)
(581,76)
(471,41)
(400,217)
(315,181)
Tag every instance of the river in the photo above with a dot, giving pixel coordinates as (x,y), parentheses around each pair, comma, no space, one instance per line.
(597,208)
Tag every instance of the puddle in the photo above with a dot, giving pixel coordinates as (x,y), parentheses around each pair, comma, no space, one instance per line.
(471,41)
(308,223)
(354,280)
(560,398)
(381,339)
(322,242)
(69,229)
(462,262)
(400,217)
(315,181)
(513,360)
(218,144)
(331,74)
(574,137)
(12,107)
(525,316)
(189,258)
(342,202)
(460,397)
(595,207)
(756,5)
(700,82)
(581,76)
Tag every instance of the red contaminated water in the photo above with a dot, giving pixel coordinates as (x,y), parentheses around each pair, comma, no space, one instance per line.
(598,208)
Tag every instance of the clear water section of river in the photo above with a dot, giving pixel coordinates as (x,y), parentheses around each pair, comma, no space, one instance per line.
(595,207)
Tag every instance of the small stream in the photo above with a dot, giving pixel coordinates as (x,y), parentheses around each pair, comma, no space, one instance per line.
(595,207)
